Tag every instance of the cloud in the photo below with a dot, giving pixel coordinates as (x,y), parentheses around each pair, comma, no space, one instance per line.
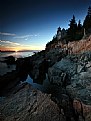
(23,37)
(26,37)
(2,45)
(36,35)
(9,42)
(19,37)
(7,34)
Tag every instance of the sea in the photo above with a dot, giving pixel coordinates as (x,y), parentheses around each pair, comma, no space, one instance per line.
(4,68)
(17,54)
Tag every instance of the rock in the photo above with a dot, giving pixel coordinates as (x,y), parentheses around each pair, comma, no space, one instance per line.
(10,60)
(61,72)
(8,81)
(22,65)
(70,80)
(54,55)
(28,104)
(80,87)
(39,70)
(83,110)
(85,75)
(40,63)
(67,66)
(89,69)
(80,80)
(88,64)
(81,68)
(4,68)
(57,76)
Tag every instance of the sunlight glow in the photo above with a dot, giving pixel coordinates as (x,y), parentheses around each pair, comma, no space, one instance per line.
(22,47)
(16,51)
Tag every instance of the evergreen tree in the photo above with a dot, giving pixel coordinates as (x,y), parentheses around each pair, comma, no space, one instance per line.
(73,23)
(79,32)
(79,27)
(72,29)
(89,11)
(87,21)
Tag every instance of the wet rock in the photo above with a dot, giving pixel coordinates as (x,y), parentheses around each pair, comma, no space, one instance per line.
(4,68)
(8,81)
(10,60)
(39,70)
(22,68)
(40,63)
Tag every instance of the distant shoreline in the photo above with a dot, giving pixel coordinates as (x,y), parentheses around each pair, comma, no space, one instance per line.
(6,51)
(21,51)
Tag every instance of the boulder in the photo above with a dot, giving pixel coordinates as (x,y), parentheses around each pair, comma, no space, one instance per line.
(78,72)
(10,60)
(61,72)
(80,88)
(8,81)
(40,63)
(83,110)
(66,65)
(28,104)
(57,76)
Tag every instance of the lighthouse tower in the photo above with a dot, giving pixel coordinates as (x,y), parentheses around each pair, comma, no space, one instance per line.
(59,33)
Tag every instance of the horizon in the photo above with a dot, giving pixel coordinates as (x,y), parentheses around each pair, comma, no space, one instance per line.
(31,24)
(18,50)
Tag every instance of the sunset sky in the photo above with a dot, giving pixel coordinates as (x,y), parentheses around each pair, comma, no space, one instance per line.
(30,24)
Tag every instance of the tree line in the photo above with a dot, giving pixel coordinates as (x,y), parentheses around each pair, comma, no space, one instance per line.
(76,29)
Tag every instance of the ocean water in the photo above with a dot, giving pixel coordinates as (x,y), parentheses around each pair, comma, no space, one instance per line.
(44,87)
(4,69)
(17,54)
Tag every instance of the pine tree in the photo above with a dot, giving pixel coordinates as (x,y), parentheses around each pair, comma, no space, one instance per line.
(73,24)
(79,26)
(72,29)
(87,21)
(79,32)
(89,11)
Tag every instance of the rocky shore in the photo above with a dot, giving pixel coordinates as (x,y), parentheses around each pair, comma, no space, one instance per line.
(68,98)
(28,104)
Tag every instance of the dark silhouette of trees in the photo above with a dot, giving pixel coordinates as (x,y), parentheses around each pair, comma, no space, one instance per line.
(87,21)
(72,29)
(79,31)
(75,31)
(79,26)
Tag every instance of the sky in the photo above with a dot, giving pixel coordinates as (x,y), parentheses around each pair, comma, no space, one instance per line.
(30,24)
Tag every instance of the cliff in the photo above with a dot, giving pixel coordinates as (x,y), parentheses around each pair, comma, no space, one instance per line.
(68,97)
(81,45)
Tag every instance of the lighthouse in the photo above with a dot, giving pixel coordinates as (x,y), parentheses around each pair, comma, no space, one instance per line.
(59,33)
